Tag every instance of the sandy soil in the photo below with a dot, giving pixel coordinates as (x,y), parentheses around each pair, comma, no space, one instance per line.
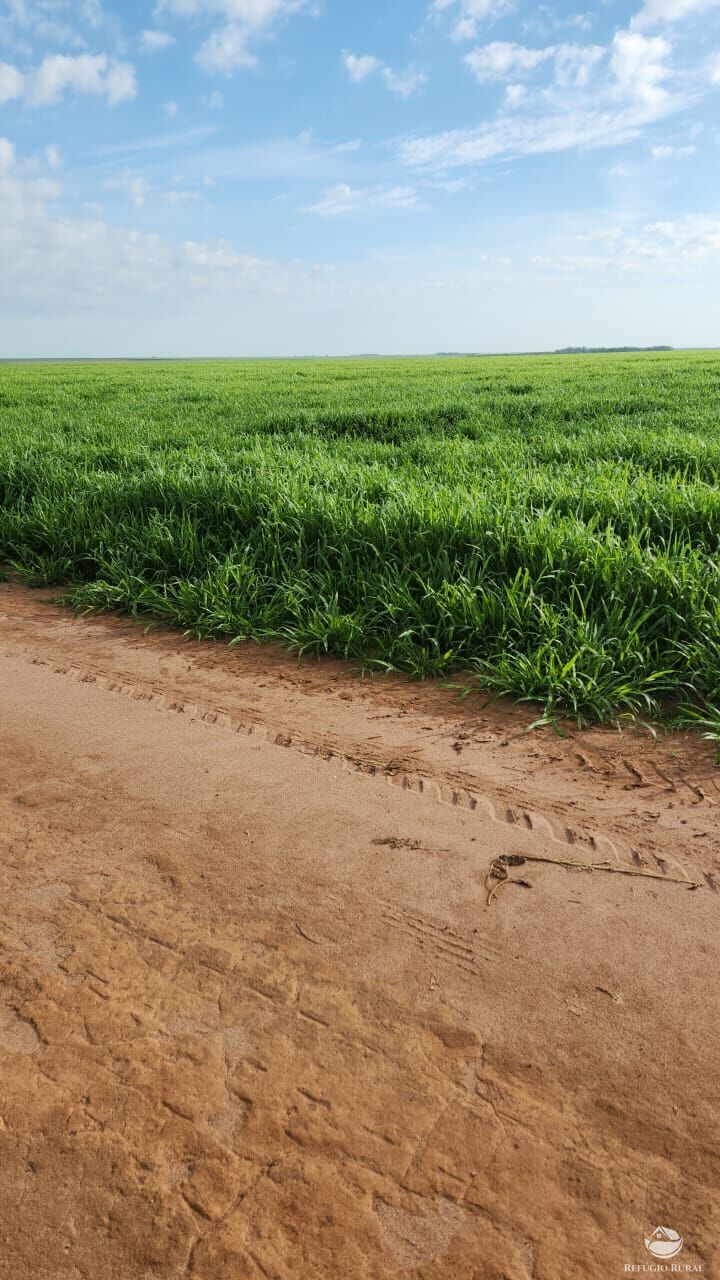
(256,1017)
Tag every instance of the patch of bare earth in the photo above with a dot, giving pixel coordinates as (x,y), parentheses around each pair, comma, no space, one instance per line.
(256,1018)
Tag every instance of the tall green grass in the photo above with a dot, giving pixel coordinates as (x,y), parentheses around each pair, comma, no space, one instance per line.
(551,525)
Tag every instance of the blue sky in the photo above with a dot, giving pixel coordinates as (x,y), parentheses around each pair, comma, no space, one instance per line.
(247,177)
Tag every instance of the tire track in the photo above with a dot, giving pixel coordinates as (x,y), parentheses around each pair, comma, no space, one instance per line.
(454,788)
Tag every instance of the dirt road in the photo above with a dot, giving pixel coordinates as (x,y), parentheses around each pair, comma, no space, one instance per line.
(256,1018)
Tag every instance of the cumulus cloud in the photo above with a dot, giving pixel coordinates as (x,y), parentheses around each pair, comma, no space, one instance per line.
(229,46)
(693,238)
(12,82)
(359,68)
(639,64)
(154,41)
(403,83)
(515,95)
(503,60)
(344,199)
(40,252)
(56,21)
(669,245)
(59,73)
(575,63)
(469,15)
(226,50)
(596,97)
(143,294)
(7,156)
(657,11)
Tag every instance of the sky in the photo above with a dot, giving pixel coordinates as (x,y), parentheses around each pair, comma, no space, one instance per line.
(312,177)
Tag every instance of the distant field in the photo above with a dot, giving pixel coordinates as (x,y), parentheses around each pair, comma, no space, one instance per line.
(550,524)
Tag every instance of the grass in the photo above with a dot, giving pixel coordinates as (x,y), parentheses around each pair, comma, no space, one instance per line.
(549,524)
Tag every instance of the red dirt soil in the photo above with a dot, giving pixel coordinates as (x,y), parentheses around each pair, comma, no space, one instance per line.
(256,1017)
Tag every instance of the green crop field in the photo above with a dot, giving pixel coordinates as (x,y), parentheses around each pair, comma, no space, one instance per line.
(550,525)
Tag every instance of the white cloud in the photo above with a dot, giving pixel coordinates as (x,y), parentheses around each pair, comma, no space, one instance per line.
(92,12)
(250,13)
(402,83)
(136,188)
(529,135)
(87,73)
(132,185)
(545,17)
(7,156)
(12,82)
(221,261)
(154,41)
(171,109)
(715,69)
(515,95)
(59,73)
(669,246)
(666,152)
(691,239)
(503,60)
(344,199)
(52,21)
(120,83)
(140,294)
(469,15)
(574,64)
(596,97)
(359,68)
(639,64)
(227,48)
(53,157)
(655,11)
(40,252)
(590,97)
